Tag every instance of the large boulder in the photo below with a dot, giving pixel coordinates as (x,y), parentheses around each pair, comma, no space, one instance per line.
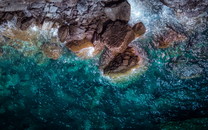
(117,36)
(123,62)
(139,29)
(82,48)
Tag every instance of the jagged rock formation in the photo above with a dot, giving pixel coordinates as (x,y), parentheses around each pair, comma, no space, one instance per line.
(123,61)
(119,57)
(78,18)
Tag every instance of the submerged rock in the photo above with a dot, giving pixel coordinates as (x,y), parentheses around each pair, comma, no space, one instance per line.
(167,37)
(82,48)
(185,69)
(52,50)
(17,34)
(1,51)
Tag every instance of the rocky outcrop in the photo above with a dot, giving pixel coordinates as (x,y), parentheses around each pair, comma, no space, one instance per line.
(139,29)
(118,56)
(85,26)
(83,17)
(117,36)
(122,62)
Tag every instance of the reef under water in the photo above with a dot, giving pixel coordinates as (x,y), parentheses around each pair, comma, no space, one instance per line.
(154,77)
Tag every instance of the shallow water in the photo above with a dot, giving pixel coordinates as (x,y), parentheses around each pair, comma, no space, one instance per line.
(37,92)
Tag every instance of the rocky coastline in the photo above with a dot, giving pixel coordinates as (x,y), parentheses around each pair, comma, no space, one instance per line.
(88,28)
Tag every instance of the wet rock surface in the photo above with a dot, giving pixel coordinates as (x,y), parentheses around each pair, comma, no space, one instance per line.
(123,61)
(167,38)
(82,48)
(139,29)
(52,50)
(117,35)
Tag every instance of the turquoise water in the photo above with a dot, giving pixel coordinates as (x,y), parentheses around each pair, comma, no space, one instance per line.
(72,93)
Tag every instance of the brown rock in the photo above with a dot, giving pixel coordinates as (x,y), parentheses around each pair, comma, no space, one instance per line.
(83,48)
(106,57)
(76,46)
(167,38)
(76,33)
(71,33)
(117,36)
(119,64)
(139,29)
(7,16)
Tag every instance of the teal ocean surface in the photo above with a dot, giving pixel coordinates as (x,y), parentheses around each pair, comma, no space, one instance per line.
(38,93)
(71,93)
